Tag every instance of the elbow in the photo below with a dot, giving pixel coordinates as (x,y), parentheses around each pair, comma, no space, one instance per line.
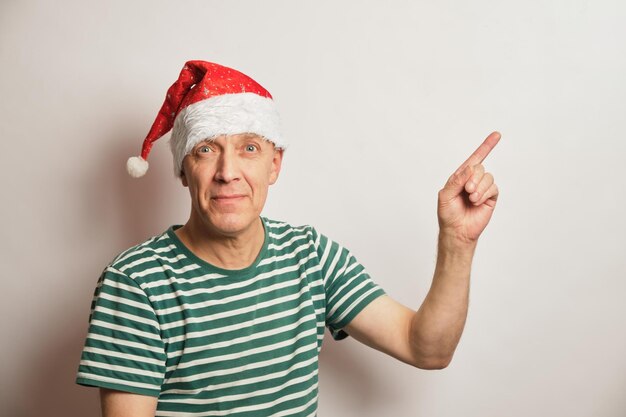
(433,364)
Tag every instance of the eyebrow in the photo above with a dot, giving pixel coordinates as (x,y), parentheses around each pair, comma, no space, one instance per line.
(243,137)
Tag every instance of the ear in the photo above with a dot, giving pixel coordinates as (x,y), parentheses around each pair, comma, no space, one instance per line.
(183,178)
(277,162)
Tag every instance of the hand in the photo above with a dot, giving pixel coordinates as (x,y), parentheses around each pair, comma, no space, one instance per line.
(467,201)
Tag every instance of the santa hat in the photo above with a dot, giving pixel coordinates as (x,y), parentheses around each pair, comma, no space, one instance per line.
(208,100)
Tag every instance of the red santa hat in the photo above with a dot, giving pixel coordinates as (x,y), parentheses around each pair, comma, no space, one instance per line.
(208,100)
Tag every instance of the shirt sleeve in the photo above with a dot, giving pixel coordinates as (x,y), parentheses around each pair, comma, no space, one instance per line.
(123,350)
(348,287)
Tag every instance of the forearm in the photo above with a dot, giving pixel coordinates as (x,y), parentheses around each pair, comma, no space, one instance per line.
(437,326)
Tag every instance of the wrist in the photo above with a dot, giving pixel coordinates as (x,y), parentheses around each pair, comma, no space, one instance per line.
(454,258)
(452,244)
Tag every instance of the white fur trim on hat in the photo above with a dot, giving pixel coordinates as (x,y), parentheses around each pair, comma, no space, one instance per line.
(228,114)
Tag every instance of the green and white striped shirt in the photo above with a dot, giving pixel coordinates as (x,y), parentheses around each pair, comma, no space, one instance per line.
(209,341)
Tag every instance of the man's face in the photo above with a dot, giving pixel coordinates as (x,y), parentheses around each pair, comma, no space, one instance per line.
(228,179)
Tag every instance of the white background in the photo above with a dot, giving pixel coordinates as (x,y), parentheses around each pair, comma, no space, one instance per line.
(381,104)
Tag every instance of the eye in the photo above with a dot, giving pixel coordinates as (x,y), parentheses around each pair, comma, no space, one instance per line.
(204,149)
(251,148)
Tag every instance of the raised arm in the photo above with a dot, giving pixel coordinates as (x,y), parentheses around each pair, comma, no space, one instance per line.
(428,338)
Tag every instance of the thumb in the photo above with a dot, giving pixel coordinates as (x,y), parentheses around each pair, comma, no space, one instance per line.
(456,183)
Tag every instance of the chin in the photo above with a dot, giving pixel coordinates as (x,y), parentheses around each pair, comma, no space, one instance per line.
(232,224)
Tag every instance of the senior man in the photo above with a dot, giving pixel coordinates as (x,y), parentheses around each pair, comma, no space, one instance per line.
(226,314)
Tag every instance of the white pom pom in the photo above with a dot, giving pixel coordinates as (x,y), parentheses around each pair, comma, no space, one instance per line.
(136,166)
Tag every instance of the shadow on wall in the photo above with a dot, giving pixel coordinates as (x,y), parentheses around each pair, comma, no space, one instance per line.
(134,209)
(114,213)
(49,379)
(351,384)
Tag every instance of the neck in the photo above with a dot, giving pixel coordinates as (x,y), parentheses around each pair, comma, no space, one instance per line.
(224,251)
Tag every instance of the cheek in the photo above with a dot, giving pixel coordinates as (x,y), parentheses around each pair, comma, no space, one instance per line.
(197,190)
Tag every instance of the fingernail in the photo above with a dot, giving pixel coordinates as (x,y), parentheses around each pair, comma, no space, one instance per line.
(471,186)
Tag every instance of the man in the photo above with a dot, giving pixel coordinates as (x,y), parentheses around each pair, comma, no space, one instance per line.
(226,314)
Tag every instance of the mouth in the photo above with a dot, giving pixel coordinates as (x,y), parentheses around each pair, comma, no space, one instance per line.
(228,197)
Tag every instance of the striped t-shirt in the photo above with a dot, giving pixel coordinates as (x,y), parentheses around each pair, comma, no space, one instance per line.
(209,341)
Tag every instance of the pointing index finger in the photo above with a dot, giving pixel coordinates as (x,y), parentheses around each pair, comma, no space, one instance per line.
(481,152)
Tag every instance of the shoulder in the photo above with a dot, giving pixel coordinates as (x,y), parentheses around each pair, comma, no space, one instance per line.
(284,237)
(156,246)
(282,231)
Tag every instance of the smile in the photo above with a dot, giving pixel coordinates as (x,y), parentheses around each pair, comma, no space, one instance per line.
(228,198)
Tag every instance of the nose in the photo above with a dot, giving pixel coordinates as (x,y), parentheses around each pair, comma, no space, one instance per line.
(227,169)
